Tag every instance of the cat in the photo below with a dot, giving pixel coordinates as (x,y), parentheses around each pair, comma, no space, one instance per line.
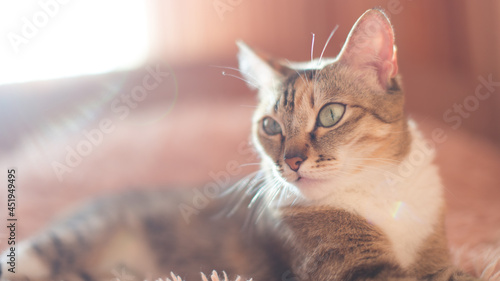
(345,190)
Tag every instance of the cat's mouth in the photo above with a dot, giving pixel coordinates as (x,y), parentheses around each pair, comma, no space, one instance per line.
(302,181)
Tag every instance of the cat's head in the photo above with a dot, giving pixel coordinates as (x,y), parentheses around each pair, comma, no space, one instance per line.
(330,122)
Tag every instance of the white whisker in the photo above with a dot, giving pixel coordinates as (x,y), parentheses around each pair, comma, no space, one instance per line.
(351,175)
(312,47)
(228,67)
(257,195)
(370,158)
(249,164)
(367,167)
(241,78)
(380,160)
(254,83)
(282,194)
(326,44)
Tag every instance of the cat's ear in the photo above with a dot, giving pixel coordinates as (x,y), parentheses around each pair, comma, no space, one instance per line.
(370,46)
(259,70)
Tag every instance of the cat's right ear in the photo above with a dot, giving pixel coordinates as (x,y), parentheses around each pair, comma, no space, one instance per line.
(260,71)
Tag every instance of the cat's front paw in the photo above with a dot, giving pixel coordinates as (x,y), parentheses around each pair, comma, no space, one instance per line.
(215,277)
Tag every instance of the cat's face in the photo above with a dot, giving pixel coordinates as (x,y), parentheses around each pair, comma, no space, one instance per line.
(331,124)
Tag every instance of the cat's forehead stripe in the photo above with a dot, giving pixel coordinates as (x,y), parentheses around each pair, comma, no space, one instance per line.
(289,94)
(289,86)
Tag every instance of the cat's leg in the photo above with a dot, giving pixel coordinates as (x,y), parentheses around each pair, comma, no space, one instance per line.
(94,244)
(449,274)
(53,256)
(56,253)
(10,264)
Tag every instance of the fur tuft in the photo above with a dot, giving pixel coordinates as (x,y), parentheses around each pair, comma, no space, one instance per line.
(481,260)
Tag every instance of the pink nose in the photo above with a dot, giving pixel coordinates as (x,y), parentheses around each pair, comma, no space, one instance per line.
(294,163)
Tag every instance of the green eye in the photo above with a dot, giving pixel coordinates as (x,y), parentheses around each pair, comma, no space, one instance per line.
(330,114)
(270,126)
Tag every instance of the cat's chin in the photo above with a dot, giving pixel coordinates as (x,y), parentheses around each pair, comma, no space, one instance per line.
(310,188)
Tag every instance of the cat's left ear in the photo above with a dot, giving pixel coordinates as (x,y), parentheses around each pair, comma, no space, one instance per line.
(259,70)
(370,46)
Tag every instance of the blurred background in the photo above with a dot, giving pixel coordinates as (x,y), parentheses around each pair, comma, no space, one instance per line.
(101,96)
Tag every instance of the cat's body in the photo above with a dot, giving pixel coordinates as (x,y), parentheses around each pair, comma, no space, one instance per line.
(347,190)
(141,235)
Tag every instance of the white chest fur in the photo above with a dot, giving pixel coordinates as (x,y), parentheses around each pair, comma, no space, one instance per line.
(404,201)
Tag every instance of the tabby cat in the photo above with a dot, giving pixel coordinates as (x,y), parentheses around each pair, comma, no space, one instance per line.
(346,190)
